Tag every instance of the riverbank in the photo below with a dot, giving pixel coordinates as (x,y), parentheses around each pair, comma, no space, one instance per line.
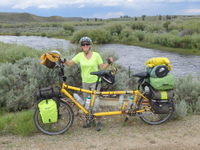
(181,51)
(194,52)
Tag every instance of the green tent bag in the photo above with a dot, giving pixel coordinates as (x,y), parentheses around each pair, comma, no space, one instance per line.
(48,111)
(164,83)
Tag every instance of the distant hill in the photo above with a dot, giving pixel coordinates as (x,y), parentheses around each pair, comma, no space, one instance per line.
(26,17)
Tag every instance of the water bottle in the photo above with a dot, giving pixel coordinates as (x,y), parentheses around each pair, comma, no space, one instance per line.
(78,98)
(130,102)
(121,101)
(146,89)
(87,102)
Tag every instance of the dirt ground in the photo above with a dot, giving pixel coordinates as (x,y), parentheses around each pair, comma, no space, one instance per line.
(115,135)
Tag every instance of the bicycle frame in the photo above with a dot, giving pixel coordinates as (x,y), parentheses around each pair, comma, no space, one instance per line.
(94,93)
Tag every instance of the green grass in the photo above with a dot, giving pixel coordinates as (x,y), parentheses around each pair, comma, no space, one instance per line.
(12,52)
(168,49)
(20,123)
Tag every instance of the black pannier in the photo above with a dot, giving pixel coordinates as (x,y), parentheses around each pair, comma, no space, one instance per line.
(162,106)
(162,101)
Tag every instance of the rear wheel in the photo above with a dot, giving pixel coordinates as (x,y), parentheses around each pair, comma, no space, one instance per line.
(149,116)
(65,120)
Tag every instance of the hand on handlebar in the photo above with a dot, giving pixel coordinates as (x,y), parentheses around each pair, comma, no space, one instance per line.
(110,60)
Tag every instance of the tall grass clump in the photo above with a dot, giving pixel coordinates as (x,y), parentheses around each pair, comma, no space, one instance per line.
(12,52)
(20,123)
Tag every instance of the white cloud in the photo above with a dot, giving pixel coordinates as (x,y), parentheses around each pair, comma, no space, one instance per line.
(192,11)
(109,15)
(23,4)
(81,6)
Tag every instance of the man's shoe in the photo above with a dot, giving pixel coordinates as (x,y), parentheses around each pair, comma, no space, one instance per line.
(99,126)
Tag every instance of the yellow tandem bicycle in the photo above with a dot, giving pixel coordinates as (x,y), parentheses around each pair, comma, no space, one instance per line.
(141,104)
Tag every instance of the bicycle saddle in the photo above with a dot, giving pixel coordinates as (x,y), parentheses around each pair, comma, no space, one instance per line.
(141,75)
(100,73)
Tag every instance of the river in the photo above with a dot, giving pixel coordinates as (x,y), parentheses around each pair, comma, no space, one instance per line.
(132,56)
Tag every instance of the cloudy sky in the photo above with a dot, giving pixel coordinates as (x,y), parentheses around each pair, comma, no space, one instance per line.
(102,8)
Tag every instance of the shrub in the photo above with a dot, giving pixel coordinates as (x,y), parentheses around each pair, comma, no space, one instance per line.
(188,89)
(154,28)
(186,42)
(98,36)
(115,29)
(20,81)
(139,35)
(196,41)
(166,25)
(17,34)
(168,40)
(174,32)
(43,34)
(181,110)
(175,26)
(150,37)
(197,106)
(69,28)
(138,26)
(186,32)
(126,32)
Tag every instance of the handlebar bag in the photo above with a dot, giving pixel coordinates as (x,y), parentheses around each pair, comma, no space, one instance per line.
(49,59)
(48,92)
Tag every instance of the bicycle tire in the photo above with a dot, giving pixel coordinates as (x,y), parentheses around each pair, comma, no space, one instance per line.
(153,119)
(65,120)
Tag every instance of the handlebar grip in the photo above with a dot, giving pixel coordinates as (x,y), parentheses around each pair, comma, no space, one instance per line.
(108,61)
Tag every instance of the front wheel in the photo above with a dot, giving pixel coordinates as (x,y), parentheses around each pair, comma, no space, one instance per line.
(65,120)
(149,116)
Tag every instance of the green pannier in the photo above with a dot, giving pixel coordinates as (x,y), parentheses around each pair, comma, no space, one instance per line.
(48,110)
(164,83)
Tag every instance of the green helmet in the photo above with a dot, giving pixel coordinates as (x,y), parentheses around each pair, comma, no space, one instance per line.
(85,39)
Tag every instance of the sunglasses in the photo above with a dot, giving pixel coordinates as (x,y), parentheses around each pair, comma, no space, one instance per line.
(85,44)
